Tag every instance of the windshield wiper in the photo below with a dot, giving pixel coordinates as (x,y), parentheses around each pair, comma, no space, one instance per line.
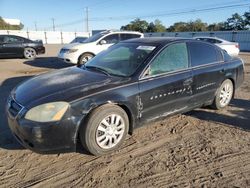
(98,69)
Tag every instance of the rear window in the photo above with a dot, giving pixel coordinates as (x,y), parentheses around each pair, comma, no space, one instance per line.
(202,53)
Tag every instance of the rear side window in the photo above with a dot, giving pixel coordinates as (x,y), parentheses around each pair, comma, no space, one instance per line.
(129,36)
(172,58)
(202,53)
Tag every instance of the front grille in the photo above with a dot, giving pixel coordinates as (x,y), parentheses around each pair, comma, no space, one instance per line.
(14,107)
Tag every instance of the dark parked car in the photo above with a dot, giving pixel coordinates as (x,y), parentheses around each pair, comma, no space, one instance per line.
(15,46)
(122,88)
(79,40)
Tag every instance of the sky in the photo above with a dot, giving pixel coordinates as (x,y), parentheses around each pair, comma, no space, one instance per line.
(70,15)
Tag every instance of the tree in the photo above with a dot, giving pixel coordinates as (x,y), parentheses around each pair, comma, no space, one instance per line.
(178,27)
(156,26)
(5,26)
(136,25)
(236,22)
(197,25)
(216,26)
(247,19)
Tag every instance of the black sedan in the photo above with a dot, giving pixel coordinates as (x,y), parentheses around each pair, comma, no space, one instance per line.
(15,46)
(122,88)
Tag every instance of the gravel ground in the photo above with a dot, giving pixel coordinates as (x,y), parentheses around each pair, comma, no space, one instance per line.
(202,148)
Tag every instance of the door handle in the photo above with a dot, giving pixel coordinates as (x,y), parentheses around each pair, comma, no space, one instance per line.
(188,81)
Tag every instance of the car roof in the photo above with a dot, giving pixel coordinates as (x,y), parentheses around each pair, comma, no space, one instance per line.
(6,35)
(220,39)
(156,40)
(204,37)
(114,31)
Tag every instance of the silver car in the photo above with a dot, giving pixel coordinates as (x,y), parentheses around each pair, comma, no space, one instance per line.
(232,48)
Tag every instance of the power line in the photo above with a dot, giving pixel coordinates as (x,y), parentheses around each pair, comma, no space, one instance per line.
(156,14)
(164,14)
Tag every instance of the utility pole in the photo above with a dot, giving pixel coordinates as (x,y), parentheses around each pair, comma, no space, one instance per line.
(87,19)
(53,22)
(35,27)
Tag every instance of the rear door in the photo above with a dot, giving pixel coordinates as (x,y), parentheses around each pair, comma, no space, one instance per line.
(166,86)
(208,71)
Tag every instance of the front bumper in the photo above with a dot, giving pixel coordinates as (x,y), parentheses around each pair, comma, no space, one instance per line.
(52,137)
(40,50)
(68,57)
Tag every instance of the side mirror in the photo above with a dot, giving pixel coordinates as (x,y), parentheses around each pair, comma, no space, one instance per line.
(103,42)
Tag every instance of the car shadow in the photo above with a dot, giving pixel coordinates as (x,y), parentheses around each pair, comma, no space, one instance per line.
(7,140)
(48,62)
(238,117)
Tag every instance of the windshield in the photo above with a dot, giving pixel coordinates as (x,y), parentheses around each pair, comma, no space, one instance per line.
(122,59)
(94,37)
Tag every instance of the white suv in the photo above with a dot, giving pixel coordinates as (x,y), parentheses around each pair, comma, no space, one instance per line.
(80,53)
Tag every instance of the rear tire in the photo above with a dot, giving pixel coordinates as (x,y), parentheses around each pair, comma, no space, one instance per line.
(29,53)
(223,95)
(105,130)
(84,58)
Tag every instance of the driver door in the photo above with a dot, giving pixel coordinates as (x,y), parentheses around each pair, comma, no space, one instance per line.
(166,87)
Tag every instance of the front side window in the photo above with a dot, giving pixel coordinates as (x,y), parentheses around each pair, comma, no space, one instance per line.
(94,38)
(111,39)
(122,59)
(202,53)
(172,58)
(11,39)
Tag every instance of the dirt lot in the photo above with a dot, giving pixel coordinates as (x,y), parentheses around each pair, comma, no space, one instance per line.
(202,148)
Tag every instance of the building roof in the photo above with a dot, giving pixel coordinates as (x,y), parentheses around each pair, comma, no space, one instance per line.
(12,21)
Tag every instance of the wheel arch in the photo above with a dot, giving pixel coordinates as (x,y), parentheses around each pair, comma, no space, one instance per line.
(119,104)
(85,53)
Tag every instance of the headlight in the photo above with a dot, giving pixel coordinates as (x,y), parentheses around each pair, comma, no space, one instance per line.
(72,50)
(47,112)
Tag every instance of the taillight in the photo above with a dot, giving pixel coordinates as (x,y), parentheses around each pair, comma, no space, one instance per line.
(237,46)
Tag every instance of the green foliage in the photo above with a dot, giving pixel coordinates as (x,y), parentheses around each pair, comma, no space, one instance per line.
(136,25)
(246,17)
(6,26)
(196,25)
(216,26)
(236,22)
(156,26)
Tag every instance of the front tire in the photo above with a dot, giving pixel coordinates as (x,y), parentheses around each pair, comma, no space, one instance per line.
(223,95)
(84,58)
(105,131)
(29,53)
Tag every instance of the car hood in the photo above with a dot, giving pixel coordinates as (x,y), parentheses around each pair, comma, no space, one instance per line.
(75,45)
(61,85)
